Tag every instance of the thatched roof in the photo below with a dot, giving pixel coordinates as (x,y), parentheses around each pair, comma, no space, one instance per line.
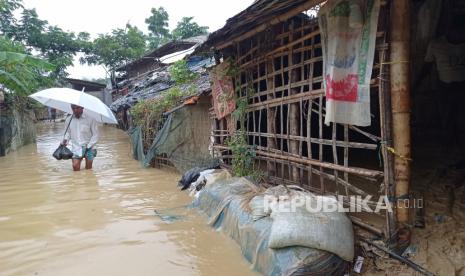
(256,18)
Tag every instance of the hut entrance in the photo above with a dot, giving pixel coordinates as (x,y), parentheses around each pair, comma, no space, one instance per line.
(438,94)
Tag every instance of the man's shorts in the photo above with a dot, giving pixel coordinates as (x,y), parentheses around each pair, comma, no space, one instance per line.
(83,153)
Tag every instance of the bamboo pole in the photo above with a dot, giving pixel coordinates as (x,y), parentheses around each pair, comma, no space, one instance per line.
(335,159)
(293,112)
(286,48)
(301,108)
(400,97)
(354,170)
(288,99)
(369,174)
(309,141)
(386,135)
(320,136)
(325,175)
(346,153)
(309,112)
(281,110)
(366,226)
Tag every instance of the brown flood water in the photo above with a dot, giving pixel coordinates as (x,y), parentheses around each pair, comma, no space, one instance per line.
(54,221)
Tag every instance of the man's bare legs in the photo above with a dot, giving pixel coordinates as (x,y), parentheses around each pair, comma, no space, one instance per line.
(77,164)
(89,164)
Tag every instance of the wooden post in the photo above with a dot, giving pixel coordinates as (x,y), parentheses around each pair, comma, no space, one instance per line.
(400,97)
(294,111)
(271,113)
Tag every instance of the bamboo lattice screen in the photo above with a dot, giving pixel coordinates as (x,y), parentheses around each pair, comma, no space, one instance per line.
(280,75)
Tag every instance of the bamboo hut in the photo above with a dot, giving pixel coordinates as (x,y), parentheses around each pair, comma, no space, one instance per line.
(277,53)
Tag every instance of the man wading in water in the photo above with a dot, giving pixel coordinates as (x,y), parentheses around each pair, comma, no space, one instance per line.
(83,134)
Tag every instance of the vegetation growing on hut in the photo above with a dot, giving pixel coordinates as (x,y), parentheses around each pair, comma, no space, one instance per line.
(243,154)
(149,113)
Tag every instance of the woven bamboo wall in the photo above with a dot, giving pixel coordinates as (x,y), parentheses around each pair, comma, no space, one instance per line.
(280,73)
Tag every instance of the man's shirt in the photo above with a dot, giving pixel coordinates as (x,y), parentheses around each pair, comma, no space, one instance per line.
(81,132)
(449,58)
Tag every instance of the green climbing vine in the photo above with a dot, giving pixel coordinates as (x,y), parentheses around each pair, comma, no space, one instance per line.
(243,154)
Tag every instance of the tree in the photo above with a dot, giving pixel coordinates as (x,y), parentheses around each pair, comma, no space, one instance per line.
(7,19)
(185,29)
(53,44)
(116,49)
(158,27)
(30,28)
(57,46)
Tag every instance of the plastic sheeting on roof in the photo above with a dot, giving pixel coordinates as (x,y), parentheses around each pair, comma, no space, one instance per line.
(170,58)
(153,84)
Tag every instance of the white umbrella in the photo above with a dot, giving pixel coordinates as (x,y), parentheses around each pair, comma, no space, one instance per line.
(62,98)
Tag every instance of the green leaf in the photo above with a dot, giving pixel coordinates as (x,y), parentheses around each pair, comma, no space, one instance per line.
(11,82)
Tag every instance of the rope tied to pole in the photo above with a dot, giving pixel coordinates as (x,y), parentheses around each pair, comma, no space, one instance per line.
(393,151)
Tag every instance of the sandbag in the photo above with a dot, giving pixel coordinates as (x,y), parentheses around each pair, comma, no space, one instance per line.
(329,231)
(222,201)
(257,209)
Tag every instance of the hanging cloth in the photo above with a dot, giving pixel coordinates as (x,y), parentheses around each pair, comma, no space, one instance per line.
(348,37)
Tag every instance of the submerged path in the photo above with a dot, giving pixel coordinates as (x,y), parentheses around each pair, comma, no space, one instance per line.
(54,221)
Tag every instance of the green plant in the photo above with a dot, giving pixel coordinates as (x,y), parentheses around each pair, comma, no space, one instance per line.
(21,72)
(180,73)
(243,154)
(149,113)
(240,114)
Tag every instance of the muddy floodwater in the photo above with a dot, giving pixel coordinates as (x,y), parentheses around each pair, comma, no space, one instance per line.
(54,221)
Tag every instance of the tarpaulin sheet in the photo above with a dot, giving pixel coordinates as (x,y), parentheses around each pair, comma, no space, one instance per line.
(348,36)
(181,139)
(222,202)
(135,135)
